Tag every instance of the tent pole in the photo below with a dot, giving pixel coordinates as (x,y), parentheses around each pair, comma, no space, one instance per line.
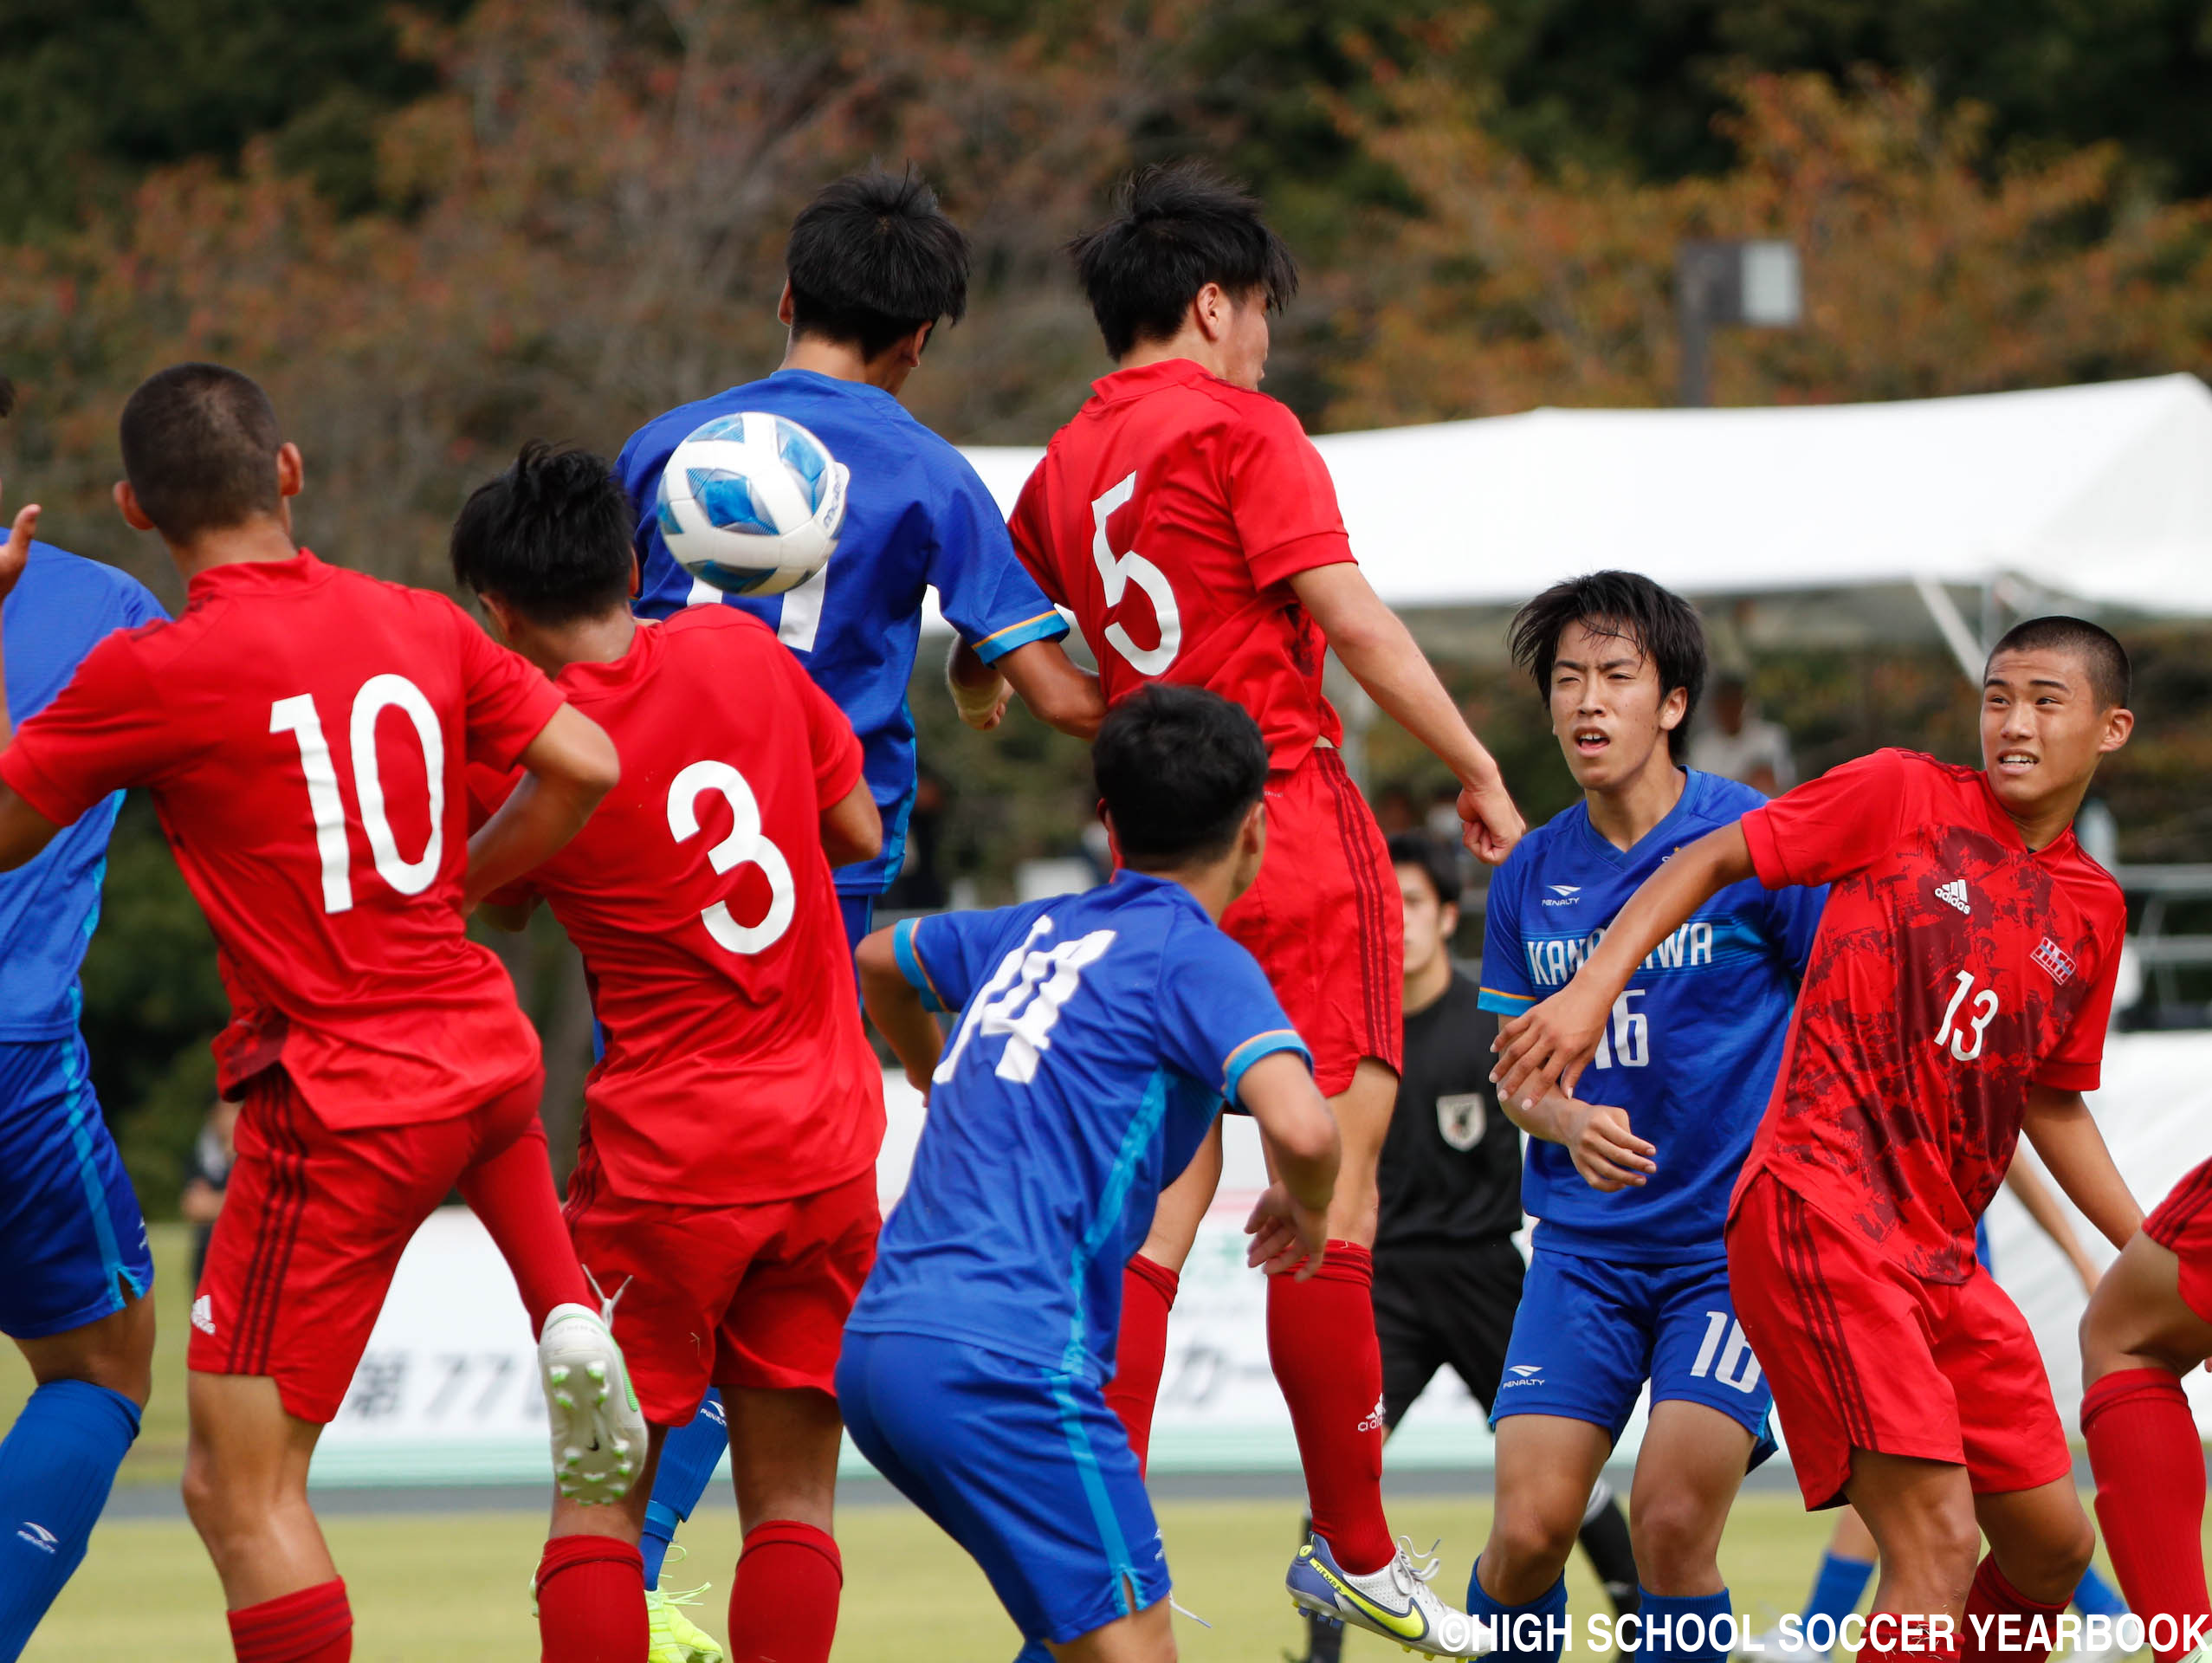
(1972,660)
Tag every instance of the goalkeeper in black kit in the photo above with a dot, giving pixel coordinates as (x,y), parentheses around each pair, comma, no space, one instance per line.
(1447,1274)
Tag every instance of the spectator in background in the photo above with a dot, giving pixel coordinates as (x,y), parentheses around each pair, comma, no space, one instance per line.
(212,1153)
(1736,745)
(920,886)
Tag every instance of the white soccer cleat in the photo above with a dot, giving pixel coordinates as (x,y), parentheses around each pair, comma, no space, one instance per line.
(1776,1646)
(598,1432)
(2116,1652)
(1394,1601)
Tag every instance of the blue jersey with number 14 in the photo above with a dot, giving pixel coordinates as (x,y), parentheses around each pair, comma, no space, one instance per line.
(916,517)
(1693,1043)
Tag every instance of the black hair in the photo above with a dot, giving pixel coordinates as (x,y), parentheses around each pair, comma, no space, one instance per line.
(871,259)
(550,537)
(1438,863)
(1178,227)
(1177,767)
(1629,606)
(199,448)
(2110,678)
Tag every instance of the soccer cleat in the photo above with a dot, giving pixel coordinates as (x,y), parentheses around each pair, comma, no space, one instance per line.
(1775,1646)
(673,1637)
(598,1432)
(1394,1602)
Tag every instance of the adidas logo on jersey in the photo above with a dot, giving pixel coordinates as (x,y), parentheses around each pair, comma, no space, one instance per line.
(1374,1422)
(1954,894)
(204,1313)
(2054,960)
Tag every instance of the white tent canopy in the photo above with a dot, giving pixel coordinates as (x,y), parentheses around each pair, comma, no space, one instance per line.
(2102,493)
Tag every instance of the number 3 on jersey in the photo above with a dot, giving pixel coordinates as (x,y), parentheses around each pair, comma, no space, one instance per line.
(747,845)
(298,717)
(1963,1029)
(1117,571)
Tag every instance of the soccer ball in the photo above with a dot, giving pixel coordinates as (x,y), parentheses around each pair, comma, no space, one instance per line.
(751,503)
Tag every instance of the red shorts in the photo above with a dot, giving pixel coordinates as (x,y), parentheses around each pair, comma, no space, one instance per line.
(313,1224)
(1864,1355)
(754,1294)
(1325,923)
(2182,1223)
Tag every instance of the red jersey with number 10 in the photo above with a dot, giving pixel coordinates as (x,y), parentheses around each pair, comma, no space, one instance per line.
(736,1069)
(1954,968)
(304,731)
(1169,516)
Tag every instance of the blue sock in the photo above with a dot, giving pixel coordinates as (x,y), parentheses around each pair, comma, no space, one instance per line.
(2098,1598)
(1660,1626)
(55,1469)
(689,1457)
(1837,1588)
(1543,1619)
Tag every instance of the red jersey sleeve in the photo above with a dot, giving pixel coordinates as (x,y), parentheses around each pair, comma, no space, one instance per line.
(1281,495)
(829,736)
(510,700)
(1830,827)
(2077,1063)
(1031,531)
(106,729)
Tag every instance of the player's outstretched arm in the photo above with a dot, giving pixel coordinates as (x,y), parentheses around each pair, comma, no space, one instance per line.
(2050,1217)
(1373,642)
(897,1009)
(2058,1124)
(1290,1225)
(851,828)
(1547,1047)
(1059,692)
(567,768)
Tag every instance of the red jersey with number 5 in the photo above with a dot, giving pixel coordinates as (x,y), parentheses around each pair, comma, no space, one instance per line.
(304,732)
(1954,968)
(735,1070)
(1169,516)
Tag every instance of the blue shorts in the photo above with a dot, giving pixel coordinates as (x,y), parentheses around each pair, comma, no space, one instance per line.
(1025,1468)
(859,914)
(71,1234)
(1590,1332)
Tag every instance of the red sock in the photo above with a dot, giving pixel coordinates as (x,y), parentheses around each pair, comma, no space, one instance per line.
(783,1602)
(512,1193)
(313,1626)
(1896,1652)
(1991,1600)
(2149,1467)
(592,1601)
(1148,1295)
(1321,1339)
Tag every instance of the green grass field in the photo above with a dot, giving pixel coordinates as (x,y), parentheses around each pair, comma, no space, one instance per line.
(443,1586)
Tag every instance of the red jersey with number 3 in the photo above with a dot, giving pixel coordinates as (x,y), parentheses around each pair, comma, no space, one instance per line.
(1954,969)
(736,1069)
(1169,516)
(304,732)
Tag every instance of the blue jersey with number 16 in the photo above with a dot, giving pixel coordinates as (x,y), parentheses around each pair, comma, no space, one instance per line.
(1098,1035)
(1693,1043)
(916,518)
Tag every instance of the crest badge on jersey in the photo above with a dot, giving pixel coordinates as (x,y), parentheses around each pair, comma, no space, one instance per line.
(1462,1118)
(2056,960)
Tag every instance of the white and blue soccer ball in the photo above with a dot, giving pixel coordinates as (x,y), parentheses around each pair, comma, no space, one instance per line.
(751,503)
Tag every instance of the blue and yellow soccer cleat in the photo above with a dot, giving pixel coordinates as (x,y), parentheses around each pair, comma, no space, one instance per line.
(1394,1601)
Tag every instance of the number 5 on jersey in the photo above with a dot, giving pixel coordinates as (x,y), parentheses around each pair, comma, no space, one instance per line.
(1117,571)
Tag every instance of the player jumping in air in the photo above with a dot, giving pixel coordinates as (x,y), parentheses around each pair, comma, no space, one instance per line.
(1191,525)
(74,1299)
(1447,1273)
(1628,1278)
(303,731)
(727,1178)
(1098,1036)
(1958,995)
(874,267)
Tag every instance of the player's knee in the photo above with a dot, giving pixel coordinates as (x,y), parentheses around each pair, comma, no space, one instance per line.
(2049,1567)
(1674,1539)
(1532,1540)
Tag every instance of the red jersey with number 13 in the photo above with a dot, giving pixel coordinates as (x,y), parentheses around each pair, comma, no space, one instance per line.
(736,1069)
(304,732)
(1169,516)
(1954,969)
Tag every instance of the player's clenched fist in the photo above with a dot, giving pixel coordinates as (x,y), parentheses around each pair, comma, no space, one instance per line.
(16,554)
(1549,1045)
(1489,824)
(1607,1154)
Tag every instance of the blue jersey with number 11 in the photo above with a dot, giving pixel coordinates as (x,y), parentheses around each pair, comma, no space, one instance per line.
(1693,1043)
